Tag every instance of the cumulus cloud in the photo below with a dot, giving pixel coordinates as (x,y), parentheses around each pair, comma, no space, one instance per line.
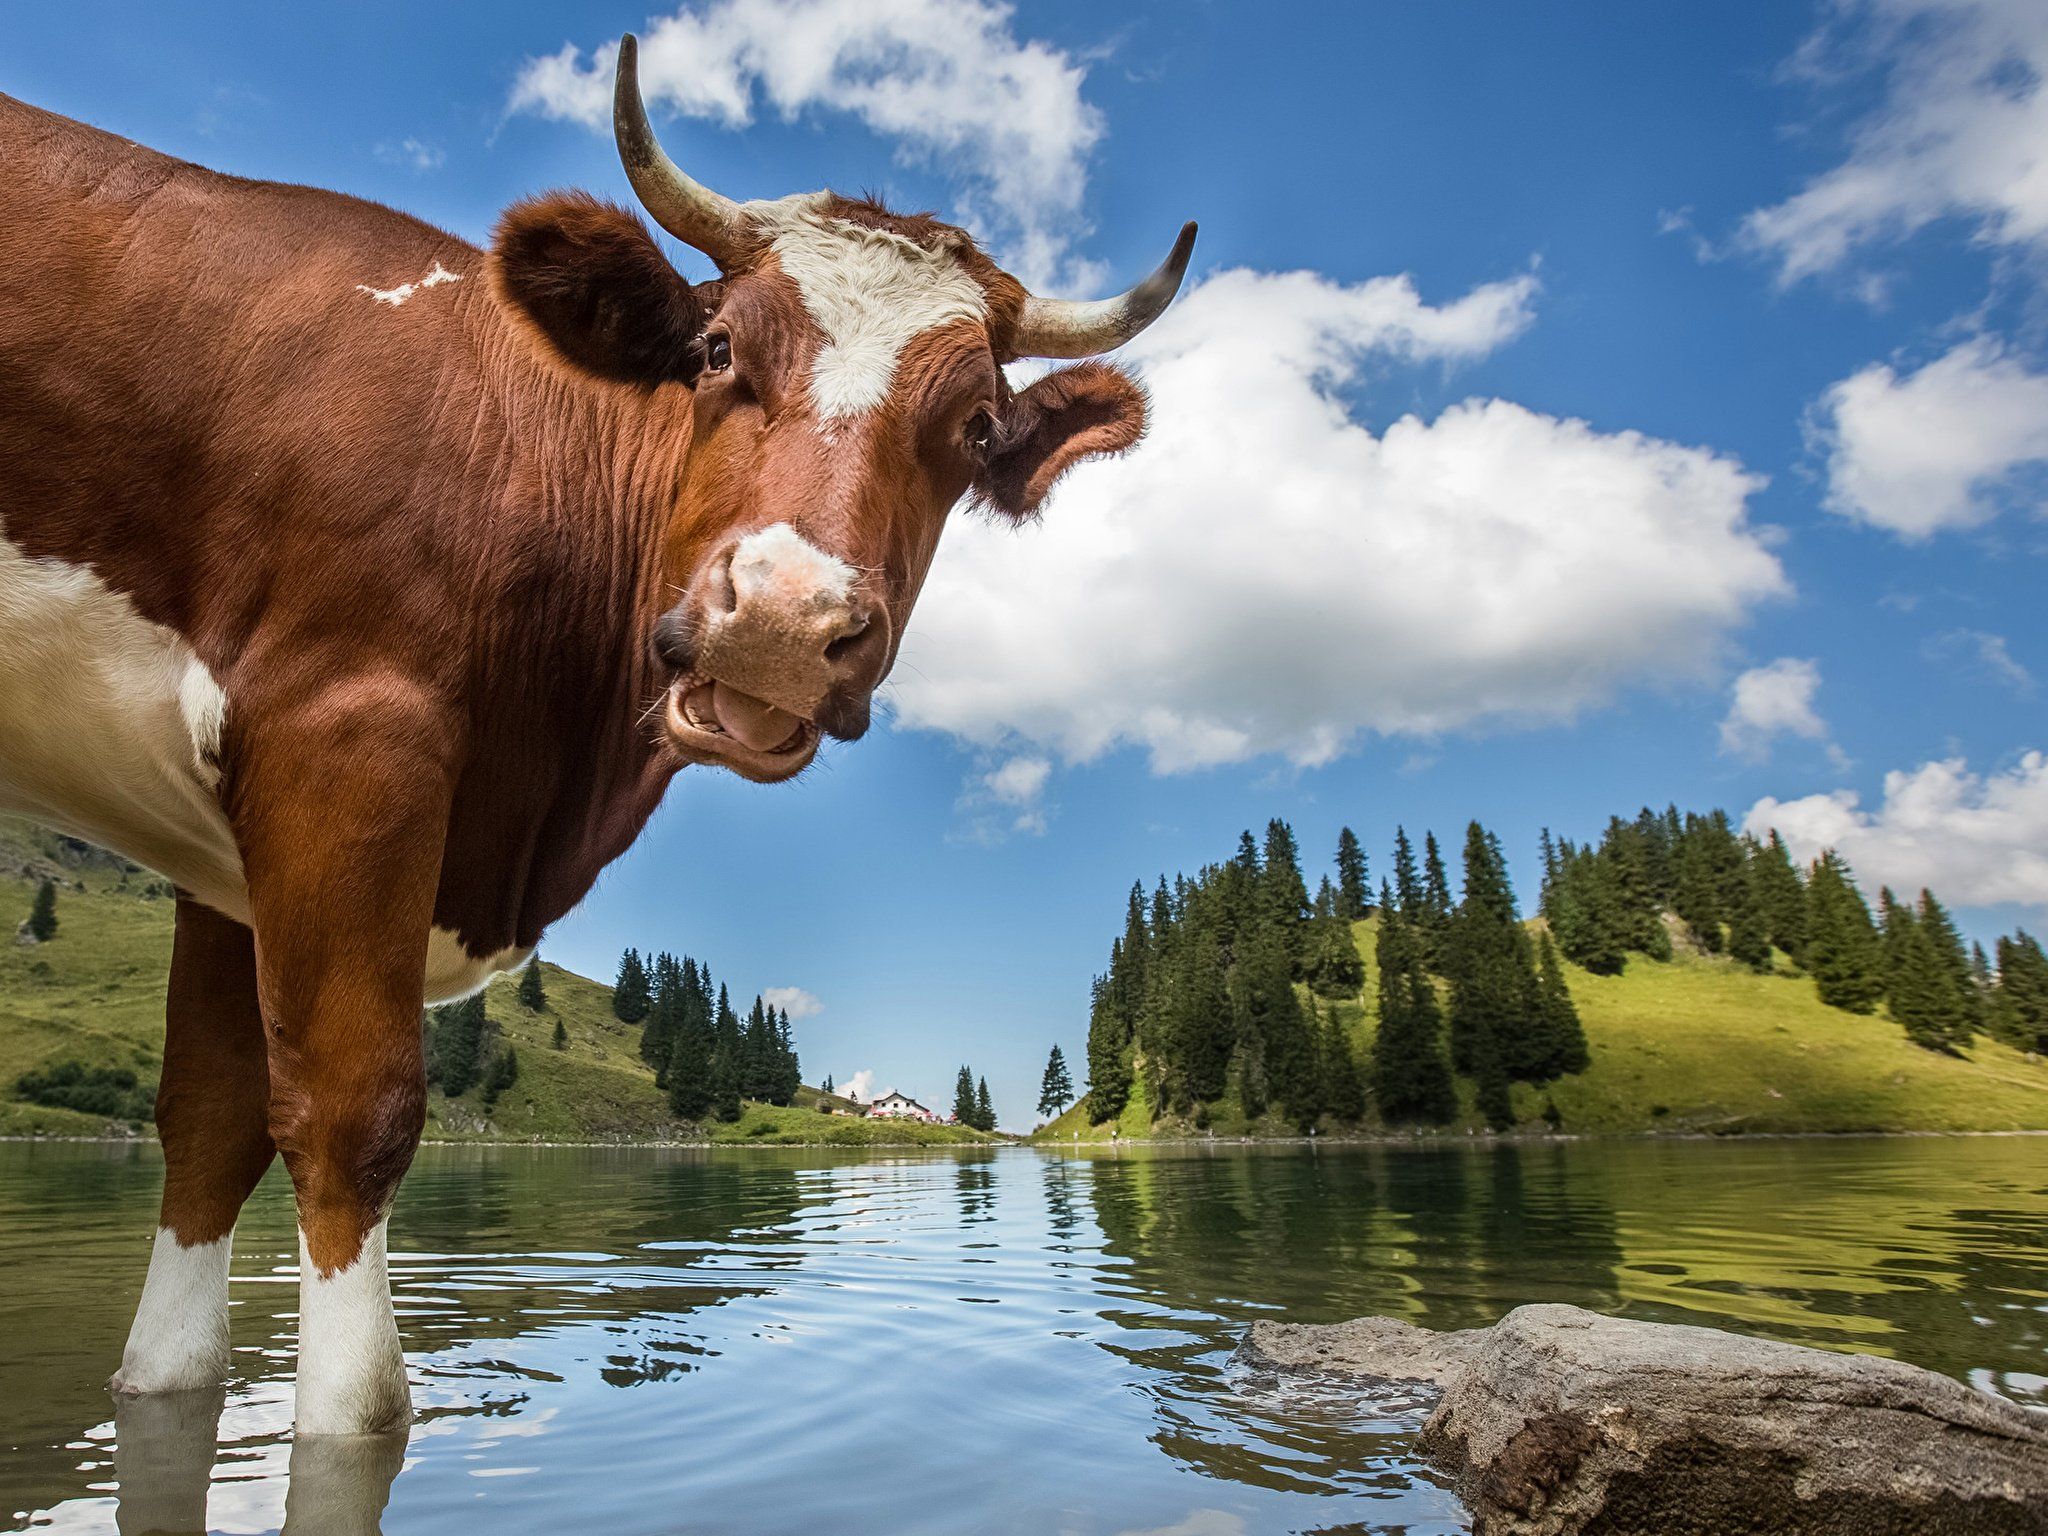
(1960,131)
(794,1001)
(1772,701)
(1973,839)
(1269,574)
(1005,799)
(948,80)
(1945,447)
(859,1087)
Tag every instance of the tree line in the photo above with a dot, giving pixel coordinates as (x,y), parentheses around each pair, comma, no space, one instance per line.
(1748,899)
(705,1057)
(1229,985)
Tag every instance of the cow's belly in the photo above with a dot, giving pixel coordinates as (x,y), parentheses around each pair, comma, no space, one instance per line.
(110,730)
(110,727)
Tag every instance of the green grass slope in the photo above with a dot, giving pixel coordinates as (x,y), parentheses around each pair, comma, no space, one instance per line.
(94,994)
(1698,1045)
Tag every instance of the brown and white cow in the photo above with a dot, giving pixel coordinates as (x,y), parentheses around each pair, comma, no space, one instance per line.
(372,587)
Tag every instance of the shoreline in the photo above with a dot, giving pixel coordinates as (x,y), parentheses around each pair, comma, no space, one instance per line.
(1475,1138)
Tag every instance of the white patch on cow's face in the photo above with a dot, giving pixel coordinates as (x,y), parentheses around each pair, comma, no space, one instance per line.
(179,1340)
(397,296)
(453,973)
(780,566)
(110,727)
(868,290)
(351,1369)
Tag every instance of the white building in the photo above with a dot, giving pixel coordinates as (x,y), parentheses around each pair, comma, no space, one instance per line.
(899,1106)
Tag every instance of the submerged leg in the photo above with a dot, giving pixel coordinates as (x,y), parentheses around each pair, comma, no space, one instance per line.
(212,1117)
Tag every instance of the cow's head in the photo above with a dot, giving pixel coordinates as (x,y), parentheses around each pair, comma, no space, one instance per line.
(848,392)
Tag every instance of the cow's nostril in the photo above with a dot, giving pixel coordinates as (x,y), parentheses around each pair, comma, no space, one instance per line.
(858,629)
(720,595)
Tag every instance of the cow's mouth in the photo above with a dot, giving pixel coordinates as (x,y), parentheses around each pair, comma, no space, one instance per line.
(713,721)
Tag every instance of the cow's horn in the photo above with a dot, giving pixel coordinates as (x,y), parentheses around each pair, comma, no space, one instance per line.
(686,208)
(1084,327)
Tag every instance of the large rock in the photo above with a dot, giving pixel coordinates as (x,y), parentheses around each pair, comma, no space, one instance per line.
(1558,1420)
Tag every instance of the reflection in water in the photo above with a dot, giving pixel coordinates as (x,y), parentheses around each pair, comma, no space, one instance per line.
(771,1341)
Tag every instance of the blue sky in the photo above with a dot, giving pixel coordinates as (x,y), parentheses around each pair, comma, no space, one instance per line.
(1574,406)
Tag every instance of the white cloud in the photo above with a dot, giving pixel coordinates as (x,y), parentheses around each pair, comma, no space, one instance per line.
(859,1087)
(1960,131)
(1972,839)
(948,80)
(1267,574)
(1946,447)
(794,1001)
(1006,799)
(1993,657)
(1771,701)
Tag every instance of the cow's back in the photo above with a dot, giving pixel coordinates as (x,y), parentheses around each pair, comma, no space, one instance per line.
(198,370)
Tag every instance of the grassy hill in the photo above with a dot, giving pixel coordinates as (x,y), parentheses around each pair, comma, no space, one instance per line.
(94,995)
(1701,1045)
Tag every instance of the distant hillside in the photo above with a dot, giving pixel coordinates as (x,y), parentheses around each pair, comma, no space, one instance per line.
(1696,1044)
(94,995)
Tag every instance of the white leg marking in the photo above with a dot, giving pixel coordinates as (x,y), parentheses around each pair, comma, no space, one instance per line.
(351,1370)
(180,1337)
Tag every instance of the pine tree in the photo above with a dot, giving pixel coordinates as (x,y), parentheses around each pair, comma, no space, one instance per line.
(1353,893)
(692,1083)
(1055,1088)
(455,1045)
(1585,912)
(533,995)
(42,914)
(1411,1079)
(984,1110)
(1748,930)
(963,1098)
(827,1087)
(561,1035)
(1407,883)
(1199,1030)
(789,1072)
(1284,894)
(1954,961)
(1263,1007)
(1698,900)
(1343,1089)
(1494,1014)
(631,997)
(1563,1037)
(2019,1002)
(725,1081)
(1435,923)
(1841,941)
(664,1014)
(1493,1099)
(1781,896)
(1109,1048)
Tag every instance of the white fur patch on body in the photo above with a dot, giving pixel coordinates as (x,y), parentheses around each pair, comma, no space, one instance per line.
(179,1339)
(351,1369)
(869,290)
(110,727)
(397,296)
(453,973)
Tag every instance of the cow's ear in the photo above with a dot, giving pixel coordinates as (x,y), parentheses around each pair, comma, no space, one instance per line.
(1074,414)
(592,281)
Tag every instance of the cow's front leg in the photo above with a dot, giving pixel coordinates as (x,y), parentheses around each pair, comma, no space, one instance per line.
(212,1116)
(341,825)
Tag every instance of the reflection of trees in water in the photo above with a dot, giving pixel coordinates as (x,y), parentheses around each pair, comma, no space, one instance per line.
(1197,1245)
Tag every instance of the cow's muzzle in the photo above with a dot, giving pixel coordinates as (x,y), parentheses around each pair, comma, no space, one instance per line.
(774,644)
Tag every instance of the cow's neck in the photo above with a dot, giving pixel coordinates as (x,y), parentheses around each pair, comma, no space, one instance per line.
(564,769)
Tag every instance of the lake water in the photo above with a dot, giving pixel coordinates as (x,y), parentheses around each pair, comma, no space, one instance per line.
(765,1342)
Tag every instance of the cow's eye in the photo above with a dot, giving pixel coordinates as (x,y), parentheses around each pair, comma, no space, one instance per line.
(717,353)
(980,432)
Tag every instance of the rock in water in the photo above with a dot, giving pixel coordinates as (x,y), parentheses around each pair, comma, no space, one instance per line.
(1557,1420)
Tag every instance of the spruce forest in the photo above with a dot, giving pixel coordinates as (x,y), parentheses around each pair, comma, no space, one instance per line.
(1235,986)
